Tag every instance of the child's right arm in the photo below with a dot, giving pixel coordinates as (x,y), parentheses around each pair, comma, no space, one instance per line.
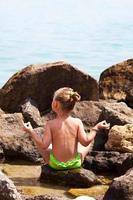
(28,128)
(42,142)
(85,139)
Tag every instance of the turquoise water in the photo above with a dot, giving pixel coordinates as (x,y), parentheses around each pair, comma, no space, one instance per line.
(90,34)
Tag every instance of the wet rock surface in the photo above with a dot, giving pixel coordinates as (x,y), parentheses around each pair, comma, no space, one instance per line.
(116,82)
(39,82)
(7,189)
(121,188)
(74,178)
(45,197)
(94,191)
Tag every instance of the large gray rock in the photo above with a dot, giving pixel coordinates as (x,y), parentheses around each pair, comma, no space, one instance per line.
(117,81)
(108,161)
(120,138)
(117,114)
(121,188)
(90,112)
(75,177)
(7,189)
(14,141)
(40,82)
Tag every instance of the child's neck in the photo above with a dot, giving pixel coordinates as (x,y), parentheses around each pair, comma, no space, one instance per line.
(63,114)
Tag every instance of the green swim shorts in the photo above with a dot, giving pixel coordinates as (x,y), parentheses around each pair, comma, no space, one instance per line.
(72,164)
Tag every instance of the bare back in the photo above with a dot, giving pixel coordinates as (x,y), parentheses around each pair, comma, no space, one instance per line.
(64,134)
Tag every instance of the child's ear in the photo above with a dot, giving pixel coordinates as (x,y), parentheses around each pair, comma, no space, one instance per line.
(57,104)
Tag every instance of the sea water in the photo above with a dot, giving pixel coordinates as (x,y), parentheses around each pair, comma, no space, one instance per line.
(89,34)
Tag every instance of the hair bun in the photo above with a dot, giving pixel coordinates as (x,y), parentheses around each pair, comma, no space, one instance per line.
(75,96)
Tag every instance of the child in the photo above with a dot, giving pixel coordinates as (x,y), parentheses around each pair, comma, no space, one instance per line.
(64,133)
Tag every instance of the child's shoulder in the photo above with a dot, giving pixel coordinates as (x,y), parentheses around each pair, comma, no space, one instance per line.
(51,121)
(76,119)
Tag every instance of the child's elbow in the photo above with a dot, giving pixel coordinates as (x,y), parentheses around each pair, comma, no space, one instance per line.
(86,143)
(45,147)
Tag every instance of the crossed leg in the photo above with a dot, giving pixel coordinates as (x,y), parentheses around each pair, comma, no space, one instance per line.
(84,150)
(45,153)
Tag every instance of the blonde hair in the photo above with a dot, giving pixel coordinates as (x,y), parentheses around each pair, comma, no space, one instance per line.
(67,98)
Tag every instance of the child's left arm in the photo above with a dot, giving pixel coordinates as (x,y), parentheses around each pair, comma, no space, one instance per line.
(85,139)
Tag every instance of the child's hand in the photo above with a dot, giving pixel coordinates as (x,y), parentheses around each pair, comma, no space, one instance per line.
(102,125)
(27,127)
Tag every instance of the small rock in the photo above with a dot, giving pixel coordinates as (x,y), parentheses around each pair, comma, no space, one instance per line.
(31,112)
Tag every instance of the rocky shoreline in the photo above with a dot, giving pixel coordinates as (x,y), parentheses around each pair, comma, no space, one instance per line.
(27,97)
